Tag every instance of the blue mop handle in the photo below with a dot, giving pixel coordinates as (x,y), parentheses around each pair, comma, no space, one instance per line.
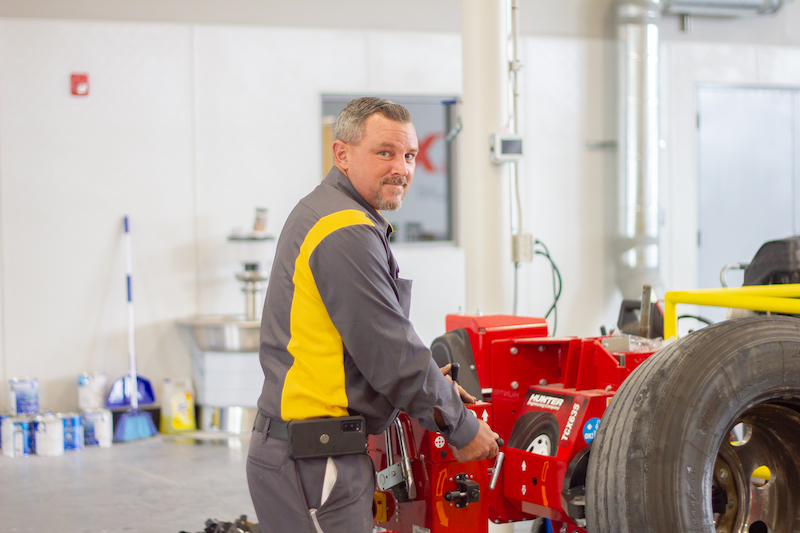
(131,346)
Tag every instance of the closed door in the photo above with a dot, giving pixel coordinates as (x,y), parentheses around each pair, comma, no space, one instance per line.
(748,176)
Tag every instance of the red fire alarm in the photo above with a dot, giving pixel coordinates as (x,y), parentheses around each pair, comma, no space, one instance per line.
(80,84)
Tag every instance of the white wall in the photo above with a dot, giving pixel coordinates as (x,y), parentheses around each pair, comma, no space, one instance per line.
(569,99)
(71,168)
(188,128)
(258,119)
(687,67)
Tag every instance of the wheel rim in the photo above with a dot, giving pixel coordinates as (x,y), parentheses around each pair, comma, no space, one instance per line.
(756,472)
(540,445)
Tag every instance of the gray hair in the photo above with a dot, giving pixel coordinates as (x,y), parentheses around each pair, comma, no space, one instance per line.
(350,123)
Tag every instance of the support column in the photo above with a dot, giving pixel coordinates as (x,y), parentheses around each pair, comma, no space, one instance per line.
(484,191)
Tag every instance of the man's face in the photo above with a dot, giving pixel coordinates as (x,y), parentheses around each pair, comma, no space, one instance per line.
(382,166)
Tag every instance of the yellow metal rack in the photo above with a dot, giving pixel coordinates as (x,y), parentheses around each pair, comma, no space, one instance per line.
(772,298)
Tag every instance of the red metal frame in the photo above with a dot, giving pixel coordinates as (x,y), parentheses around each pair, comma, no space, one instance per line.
(516,360)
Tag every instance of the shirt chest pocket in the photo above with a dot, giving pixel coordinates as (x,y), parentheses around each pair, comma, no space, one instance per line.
(404,294)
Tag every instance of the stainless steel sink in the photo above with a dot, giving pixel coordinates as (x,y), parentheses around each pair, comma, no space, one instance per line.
(226,419)
(224,333)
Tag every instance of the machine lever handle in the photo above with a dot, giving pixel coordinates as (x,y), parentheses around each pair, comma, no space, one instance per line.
(405,460)
(498,463)
(455,495)
(454,367)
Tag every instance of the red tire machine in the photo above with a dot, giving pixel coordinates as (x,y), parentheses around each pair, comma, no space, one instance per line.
(544,396)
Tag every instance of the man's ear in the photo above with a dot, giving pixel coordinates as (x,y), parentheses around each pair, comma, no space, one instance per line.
(340,155)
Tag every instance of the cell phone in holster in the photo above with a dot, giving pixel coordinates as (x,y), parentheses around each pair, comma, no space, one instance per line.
(327,437)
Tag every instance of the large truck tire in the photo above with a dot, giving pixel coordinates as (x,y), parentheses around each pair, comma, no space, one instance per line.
(704,436)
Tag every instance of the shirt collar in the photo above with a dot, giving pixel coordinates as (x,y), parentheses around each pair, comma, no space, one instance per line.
(339,181)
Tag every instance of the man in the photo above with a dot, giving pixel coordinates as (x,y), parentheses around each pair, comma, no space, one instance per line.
(336,339)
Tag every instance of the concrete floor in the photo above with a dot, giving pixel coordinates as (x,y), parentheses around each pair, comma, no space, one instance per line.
(165,484)
(162,484)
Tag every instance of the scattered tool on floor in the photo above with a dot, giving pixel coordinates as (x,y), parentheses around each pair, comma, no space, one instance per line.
(240,525)
(133,424)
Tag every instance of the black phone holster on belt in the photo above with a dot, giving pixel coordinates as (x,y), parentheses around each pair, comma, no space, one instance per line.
(326,437)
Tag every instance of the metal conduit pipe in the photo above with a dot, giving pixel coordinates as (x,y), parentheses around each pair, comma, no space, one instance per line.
(638,223)
(514,66)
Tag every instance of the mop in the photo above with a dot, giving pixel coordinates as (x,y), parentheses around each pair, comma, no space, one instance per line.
(133,424)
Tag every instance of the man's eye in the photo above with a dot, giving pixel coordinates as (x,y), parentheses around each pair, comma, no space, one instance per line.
(411,157)
(383,153)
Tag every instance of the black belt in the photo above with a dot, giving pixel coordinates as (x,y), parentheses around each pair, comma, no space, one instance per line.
(277,428)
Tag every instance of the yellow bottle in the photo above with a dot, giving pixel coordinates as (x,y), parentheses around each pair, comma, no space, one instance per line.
(177,406)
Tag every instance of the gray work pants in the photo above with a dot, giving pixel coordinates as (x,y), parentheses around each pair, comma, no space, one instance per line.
(285,491)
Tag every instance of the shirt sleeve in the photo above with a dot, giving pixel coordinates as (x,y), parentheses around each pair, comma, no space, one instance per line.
(351,271)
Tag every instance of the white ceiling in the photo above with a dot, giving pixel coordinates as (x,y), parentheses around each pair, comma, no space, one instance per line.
(568,18)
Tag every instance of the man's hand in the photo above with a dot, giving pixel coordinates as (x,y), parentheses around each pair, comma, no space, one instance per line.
(465,396)
(483,446)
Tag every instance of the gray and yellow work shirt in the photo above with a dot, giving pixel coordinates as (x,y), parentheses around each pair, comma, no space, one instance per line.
(335,335)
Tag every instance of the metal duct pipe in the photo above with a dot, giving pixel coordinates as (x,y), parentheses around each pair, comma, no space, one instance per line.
(638,228)
(722,8)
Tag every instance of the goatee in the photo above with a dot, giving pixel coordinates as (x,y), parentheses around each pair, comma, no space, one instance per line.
(394,202)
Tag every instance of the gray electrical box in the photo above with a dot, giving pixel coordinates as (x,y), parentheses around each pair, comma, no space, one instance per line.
(505,148)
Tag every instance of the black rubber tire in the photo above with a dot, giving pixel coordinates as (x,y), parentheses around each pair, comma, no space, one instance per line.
(531,426)
(653,461)
(455,347)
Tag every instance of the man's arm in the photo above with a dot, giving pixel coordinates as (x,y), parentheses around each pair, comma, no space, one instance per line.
(484,444)
(352,273)
(465,396)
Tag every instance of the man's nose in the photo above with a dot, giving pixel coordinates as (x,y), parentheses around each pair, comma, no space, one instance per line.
(400,167)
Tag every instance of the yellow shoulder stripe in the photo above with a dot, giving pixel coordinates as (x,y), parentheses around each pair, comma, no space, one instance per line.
(315,385)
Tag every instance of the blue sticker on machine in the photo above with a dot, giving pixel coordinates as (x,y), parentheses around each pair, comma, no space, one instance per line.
(590,429)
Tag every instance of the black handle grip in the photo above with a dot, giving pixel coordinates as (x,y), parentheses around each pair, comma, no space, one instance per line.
(500,443)
(454,495)
(454,371)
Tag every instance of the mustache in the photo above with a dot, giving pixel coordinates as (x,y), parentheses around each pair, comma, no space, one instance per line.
(394,181)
